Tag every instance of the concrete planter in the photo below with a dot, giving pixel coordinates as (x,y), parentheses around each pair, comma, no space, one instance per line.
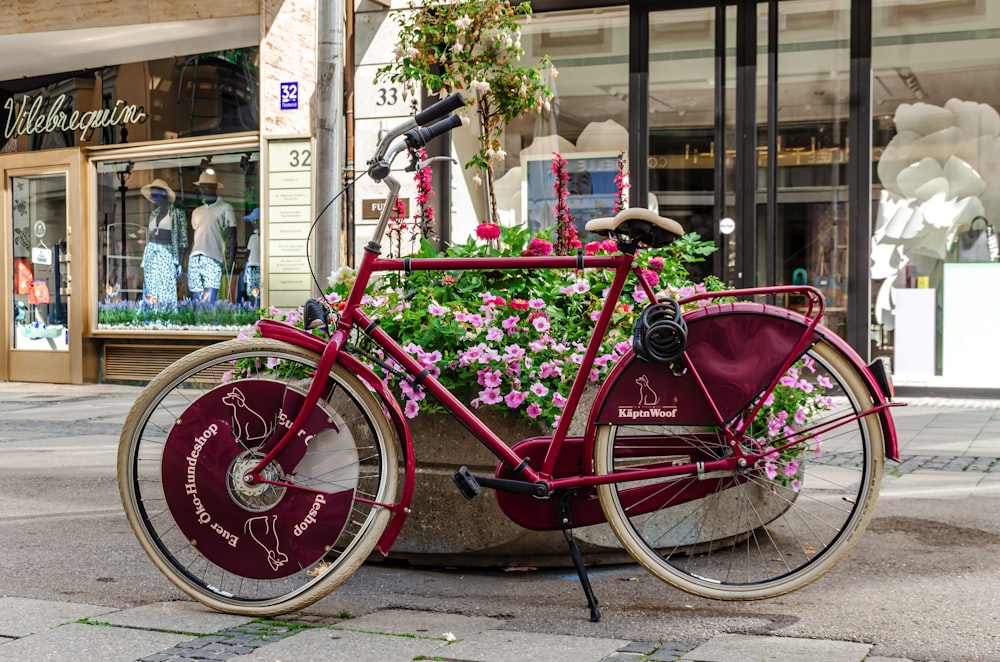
(444,529)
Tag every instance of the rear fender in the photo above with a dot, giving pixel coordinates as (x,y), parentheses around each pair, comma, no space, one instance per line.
(725,342)
(301,338)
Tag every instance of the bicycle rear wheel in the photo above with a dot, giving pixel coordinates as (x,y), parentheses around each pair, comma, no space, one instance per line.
(765,530)
(266,548)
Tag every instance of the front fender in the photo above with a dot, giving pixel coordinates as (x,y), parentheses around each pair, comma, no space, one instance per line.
(737,347)
(301,338)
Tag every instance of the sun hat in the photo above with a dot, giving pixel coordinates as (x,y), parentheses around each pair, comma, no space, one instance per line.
(207,179)
(158,183)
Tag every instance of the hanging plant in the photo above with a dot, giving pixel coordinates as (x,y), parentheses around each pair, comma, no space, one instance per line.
(473,46)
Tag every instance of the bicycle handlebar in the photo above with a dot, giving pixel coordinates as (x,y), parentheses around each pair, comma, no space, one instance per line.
(420,136)
(439,109)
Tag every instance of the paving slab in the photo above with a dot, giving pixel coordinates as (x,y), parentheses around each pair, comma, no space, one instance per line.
(175,617)
(419,623)
(347,646)
(20,617)
(733,647)
(76,642)
(498,645)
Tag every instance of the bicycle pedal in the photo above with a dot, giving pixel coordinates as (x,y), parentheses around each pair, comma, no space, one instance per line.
(467,483)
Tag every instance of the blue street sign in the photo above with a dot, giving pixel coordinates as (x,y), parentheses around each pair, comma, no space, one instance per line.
(290,95)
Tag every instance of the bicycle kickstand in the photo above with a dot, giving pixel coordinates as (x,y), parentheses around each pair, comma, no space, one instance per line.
(566,522)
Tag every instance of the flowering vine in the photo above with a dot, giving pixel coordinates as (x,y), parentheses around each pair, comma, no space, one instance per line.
(425,211)
(566,237)
(621,185)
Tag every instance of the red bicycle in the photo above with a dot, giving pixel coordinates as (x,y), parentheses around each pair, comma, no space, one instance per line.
(259,473)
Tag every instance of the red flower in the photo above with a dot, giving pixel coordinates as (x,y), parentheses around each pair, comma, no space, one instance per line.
(519,304)
(488,231)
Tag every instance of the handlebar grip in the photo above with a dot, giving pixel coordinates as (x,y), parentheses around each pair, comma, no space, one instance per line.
(420,136)
(439,109)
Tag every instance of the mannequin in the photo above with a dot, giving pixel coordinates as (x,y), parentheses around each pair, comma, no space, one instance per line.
(166,240)
(213,218)
(251,272)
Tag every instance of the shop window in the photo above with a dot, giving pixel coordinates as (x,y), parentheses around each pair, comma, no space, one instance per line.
(587,123)
(178,245)
(936,152)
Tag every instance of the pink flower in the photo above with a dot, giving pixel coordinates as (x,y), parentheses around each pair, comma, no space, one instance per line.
(490,396)
(770,470)
(541,324)
(796,485)
(537,304)
(411,409)
(436,310)
(539,389)
(656,264)
(494,334)
(489,378)
(538,247)
(558,400)
(510,324)
(488,231)
(533,410)
(514,399)
(791,468)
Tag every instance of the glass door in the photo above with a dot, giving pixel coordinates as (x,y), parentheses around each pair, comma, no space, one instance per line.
(41,210)
(40,263)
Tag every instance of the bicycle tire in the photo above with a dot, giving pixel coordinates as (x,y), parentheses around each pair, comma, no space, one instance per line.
(749,536)
(257,550)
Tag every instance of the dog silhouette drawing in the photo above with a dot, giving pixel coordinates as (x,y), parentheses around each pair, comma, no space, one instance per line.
(248,425)
(647,396)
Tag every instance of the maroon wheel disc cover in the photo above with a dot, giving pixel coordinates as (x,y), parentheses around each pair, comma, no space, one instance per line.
(256,531)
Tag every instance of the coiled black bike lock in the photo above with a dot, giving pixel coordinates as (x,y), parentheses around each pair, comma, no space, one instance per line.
(660,334)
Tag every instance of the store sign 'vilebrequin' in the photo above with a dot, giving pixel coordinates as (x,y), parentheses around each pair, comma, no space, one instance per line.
(33,117)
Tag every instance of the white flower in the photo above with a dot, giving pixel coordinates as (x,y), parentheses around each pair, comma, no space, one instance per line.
(480,86)
(478,180)
(342,275)
(463,22)
(458,47)
(500,155)
(553,71)
(412,51)
(546,105)
(466,121)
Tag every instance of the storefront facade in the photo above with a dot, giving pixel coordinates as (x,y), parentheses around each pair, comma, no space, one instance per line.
(844,144)
(157,191)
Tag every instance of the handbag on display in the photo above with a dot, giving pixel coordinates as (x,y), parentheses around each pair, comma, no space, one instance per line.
(978,243)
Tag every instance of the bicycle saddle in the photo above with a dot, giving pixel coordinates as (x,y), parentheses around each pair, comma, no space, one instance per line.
(639,224)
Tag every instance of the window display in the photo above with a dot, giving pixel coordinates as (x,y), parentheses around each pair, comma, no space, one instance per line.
(178,242)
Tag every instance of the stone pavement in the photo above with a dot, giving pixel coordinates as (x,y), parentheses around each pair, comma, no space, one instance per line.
(950,447)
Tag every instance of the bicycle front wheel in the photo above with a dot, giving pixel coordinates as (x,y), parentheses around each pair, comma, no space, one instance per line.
(263,548)
(770,528)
